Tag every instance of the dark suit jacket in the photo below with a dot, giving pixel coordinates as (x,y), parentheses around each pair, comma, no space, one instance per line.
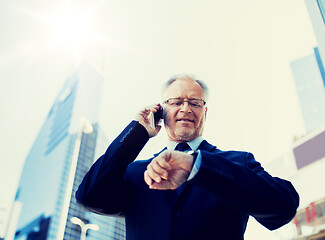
(215,204)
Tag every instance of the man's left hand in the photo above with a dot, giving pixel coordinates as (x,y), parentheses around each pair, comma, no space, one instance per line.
(168,170)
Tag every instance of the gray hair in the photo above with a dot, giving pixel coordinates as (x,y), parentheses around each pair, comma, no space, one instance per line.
(187,76)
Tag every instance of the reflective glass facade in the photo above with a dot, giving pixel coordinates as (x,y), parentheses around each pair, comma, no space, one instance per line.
(308,76)
(43,183)
(321,5)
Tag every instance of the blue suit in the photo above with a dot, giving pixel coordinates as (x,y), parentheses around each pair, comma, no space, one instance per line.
(215,204)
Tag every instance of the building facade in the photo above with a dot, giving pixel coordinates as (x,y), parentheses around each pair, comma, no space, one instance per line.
(316,9)
(309,77)
(9,214)
(309,155)
(304,164)
(56,164)
(309,72)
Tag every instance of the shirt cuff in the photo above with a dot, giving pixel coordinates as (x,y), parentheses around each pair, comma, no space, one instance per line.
(196,166)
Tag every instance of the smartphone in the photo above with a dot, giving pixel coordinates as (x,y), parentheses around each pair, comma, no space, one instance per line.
(155,117)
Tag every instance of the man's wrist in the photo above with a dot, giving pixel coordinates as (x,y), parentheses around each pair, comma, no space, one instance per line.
(194,154)
(141,126)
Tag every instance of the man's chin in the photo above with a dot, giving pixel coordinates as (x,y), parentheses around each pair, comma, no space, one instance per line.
(185,135)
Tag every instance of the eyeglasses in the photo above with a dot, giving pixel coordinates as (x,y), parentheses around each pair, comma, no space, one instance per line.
(177,102)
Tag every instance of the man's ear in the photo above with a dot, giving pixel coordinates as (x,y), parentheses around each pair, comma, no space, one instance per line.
(205,112)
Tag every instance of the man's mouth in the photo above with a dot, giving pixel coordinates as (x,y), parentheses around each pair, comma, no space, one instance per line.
(184,120)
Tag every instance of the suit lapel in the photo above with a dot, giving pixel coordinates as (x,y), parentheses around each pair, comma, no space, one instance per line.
(205,146)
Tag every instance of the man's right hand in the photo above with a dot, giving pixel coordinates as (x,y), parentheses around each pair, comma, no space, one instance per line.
(143,118)
(168,170)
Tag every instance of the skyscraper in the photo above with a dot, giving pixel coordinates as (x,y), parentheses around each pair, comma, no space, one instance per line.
(316,9)
(56,164)
(109,227)
(308,73)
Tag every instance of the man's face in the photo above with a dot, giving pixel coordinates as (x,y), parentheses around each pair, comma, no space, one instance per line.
(184,123)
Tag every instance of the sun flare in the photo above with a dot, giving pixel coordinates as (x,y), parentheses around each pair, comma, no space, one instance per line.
(72,27)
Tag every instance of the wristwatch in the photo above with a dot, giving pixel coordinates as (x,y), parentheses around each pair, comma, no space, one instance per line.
(193,153)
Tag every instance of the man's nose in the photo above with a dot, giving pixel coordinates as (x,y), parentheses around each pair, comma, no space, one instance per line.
(186,107)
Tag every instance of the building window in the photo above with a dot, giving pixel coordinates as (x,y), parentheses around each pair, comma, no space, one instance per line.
(321,5)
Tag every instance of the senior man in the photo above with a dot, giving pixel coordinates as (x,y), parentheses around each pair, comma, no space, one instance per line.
(191,189)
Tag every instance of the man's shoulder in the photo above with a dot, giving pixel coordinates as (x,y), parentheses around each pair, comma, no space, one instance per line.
(233,155)
(205,145)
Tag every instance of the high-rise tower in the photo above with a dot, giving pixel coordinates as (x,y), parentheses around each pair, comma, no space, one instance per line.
(60,156)
(308,73)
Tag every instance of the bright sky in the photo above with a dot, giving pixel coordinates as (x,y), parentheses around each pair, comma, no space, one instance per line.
(241,49)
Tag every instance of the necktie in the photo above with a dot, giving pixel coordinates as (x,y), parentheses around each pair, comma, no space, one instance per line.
(182,147)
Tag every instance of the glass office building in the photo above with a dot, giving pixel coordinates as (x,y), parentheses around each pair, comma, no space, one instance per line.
(44,183)
(321,5)
(316,9)
(308,152)
(309,77)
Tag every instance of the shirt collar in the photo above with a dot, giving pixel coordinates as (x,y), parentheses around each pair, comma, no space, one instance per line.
(194,144)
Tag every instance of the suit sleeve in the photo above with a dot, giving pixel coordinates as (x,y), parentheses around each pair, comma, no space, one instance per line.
(248,187)
(103,189)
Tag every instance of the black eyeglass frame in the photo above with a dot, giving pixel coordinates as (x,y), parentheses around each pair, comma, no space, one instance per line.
(189,101)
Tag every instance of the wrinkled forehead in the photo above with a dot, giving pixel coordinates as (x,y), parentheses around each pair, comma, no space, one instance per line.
(184,88)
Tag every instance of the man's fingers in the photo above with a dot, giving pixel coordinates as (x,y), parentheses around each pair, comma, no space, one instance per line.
(147,179)
(161,160)
(153,174)
(164,185)
(160,167)
(156,107)
(158,127)
(143,117)
(154,185)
